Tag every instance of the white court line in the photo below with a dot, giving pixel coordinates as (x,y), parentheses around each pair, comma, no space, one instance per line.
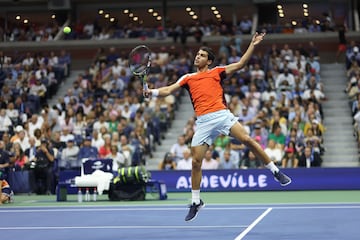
(118,227)
(253,224)
(208,208)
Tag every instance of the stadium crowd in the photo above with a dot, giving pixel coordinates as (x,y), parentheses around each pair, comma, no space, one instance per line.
(102,30)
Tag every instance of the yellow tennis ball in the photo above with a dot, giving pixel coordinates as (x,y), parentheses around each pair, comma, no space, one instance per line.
(67,30)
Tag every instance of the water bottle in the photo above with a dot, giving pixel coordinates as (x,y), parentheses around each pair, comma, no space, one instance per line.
(79,196)
(87,195)
(94,194)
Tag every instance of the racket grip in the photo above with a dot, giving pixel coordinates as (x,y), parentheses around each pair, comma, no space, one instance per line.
(145,86)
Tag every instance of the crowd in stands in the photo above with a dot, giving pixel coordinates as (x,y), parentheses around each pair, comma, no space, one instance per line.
(352,88)
(26,84)
(278,99)
(100,30)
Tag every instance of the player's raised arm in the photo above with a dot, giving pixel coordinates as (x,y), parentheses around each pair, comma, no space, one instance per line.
(257,38)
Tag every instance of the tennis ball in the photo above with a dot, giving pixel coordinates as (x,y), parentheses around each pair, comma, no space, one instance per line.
(67,30)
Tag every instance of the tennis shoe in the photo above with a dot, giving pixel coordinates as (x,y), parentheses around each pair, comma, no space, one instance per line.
(194,210)
(282,178)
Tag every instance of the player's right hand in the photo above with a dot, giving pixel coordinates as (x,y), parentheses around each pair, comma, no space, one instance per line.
(146,93)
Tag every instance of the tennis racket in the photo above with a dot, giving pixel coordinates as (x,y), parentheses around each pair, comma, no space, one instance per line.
(140,63)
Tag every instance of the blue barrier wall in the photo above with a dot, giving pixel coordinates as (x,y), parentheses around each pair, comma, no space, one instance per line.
(238,180)
(262,180)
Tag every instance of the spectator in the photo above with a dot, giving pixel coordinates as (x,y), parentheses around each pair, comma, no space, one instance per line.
(69,156)
(168,162)
(260,132)
(30,152)
(105,149)
(177,149)
(22,140)
(234,155)
(126,148)
(5,121)
(117,157)
(21,160)
(186,162)
(97,140)
(16,135)
(35,122)
(290,159)
(221,142)
(273,152)
(245,25)
(309,158)
(208,162)
(250,161)
(277,135)
(87,151)
(226,162)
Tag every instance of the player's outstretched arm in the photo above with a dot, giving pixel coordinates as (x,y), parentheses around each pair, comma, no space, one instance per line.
(163,91)
(256,39)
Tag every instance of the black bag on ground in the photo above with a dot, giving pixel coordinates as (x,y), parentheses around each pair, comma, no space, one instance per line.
(127,192)
(129,184)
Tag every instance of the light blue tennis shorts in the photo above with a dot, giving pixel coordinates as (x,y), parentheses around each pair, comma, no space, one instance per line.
(210,125)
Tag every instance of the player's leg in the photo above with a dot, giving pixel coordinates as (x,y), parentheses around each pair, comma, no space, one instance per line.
(238,131)
(198,153)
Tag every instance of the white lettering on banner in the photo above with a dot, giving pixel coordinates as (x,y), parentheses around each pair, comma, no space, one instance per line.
(226,182)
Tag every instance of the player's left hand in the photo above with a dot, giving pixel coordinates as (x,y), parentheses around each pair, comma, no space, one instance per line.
(258,37)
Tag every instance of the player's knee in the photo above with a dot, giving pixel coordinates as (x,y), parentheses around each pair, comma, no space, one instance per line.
(196,164)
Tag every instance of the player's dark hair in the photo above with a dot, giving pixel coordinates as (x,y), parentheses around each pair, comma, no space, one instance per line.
(211,55)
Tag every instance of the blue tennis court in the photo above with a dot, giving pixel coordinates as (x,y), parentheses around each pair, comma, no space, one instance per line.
(215,221)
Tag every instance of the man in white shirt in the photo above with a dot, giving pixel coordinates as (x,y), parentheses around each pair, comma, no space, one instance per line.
(273,152)
(97,141)
(285,76)
(23,140)
(35,122)
(5,121)
(101,123)
(186,162)
(177,149)
(69,155)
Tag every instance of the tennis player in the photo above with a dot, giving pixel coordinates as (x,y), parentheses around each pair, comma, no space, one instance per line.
(213,116)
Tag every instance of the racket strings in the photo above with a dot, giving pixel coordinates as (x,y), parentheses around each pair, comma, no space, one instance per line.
(140,61)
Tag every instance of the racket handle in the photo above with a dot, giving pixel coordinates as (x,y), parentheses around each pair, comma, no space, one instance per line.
(145,86)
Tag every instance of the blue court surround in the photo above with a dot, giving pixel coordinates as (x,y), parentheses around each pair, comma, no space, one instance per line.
(215,222)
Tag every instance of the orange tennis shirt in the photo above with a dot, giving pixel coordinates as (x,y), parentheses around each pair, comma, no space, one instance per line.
(206,92)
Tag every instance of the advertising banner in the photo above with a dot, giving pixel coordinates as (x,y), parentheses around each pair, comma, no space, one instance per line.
(262,179)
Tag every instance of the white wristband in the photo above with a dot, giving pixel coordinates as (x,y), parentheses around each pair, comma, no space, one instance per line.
(154,92)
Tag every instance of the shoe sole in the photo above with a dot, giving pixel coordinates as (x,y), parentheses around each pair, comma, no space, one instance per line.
(192,219)
(285,184)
